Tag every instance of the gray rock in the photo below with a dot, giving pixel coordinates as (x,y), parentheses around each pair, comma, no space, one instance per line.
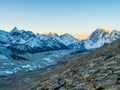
(57,84)
(68,82)
(80,87)
(62,88)
(102,84)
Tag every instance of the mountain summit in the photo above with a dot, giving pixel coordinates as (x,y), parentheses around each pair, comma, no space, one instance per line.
(103,30)
(99,38)
(68,39)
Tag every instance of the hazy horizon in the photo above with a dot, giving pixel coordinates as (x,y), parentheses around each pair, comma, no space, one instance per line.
(78,36)
(77,17)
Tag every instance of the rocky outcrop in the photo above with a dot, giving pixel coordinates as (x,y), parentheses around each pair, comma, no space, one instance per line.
(96,71)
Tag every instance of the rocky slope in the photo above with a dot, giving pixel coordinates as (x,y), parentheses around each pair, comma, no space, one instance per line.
(99,70)
(54,60)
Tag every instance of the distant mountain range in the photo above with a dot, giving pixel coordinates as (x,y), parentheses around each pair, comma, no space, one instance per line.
(26,41)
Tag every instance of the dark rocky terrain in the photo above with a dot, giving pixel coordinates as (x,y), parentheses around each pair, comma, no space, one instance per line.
(98,70)
(20,79)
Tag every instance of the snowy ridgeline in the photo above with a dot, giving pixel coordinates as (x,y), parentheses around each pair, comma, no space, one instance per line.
(36,61)
(27,41)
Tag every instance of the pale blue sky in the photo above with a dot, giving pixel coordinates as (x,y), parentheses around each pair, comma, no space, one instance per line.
(60,16)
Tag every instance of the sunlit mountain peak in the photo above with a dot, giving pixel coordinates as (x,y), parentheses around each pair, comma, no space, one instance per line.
(52,33)
(104,30)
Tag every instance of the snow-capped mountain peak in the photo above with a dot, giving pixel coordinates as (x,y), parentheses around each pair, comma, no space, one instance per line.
(21,40)
(100,37)
(16,31)
(114,32)
(53,34)
(28,41)
(15,28)
(68,39)
(102,30)
(98,34)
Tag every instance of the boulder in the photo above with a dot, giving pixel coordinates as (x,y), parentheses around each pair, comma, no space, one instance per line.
(105,82)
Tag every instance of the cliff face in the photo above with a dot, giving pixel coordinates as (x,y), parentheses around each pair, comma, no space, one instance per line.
(99,70)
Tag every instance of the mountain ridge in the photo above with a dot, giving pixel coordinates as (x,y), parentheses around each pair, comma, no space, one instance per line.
(27,41)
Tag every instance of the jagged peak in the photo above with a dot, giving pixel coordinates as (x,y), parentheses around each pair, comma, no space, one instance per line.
(98,32)
(15,28)
(102,30)
(53,34)
(67,34)
(115,31)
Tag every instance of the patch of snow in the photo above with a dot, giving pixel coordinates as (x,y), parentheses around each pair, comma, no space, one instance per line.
(12,63)
(4,73)
(26,66)
(6,63)
(3,57)
(47,59)
(16,69)
(2,67)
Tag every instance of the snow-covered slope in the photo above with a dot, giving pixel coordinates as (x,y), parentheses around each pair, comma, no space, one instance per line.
(27,41)
(101,37)
(97,39)
(4,52)
(78,45)
(68,39)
